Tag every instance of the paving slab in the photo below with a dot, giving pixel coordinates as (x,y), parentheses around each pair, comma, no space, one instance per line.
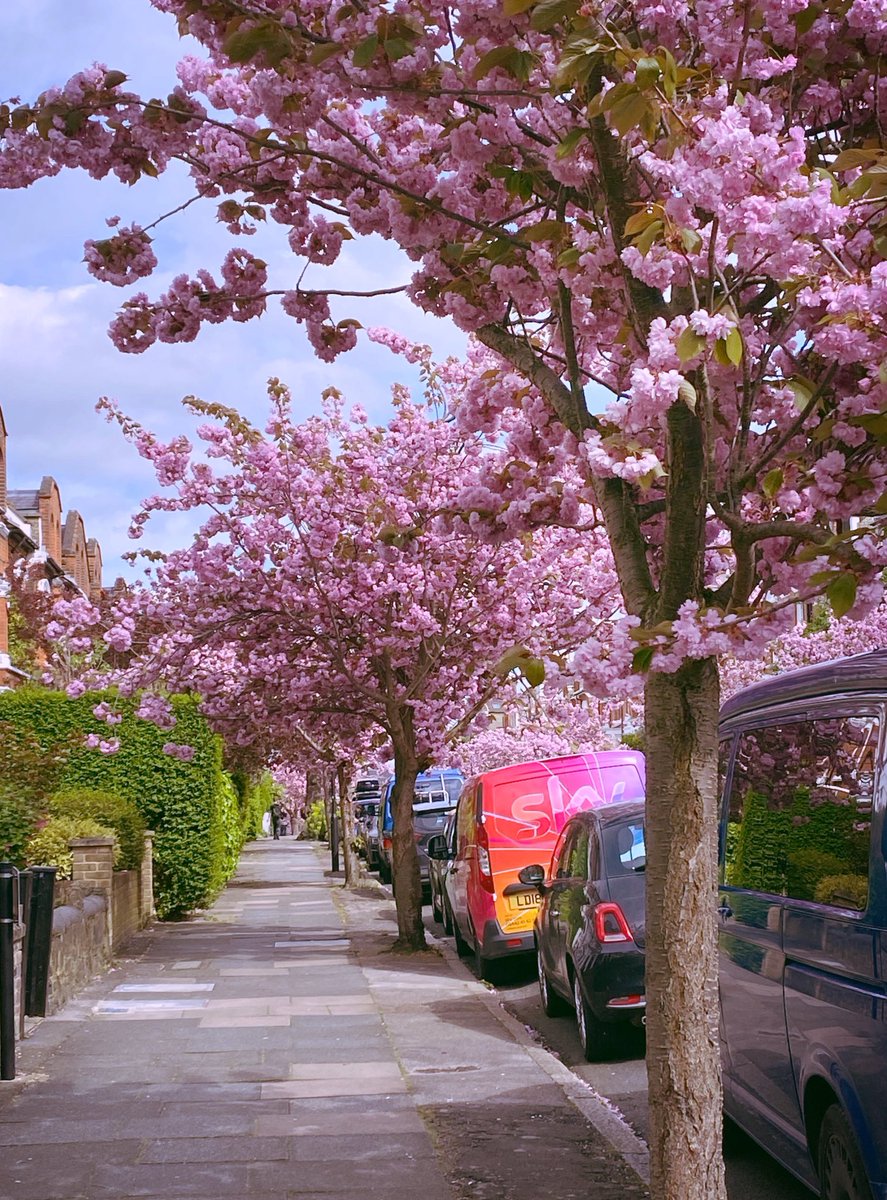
(273,1046)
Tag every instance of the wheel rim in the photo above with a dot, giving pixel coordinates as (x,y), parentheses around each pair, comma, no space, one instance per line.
(580,1012)
(543,979)
(839,1174)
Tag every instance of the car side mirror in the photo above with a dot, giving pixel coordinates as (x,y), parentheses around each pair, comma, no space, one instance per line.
(533,876)
(437,848)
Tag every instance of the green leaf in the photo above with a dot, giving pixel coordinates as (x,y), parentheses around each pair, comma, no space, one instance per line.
(803,390)
(322,52)
(569,257)
(848,160)
(533,670)
(397,48)
(691,240)
(772,482)
(639,221)
(648,237)
(244,44)
(642,658)
(570,142)
(689,344)
(544,231)
(647,72)
(365,51)
(629,113)
(499,56)
(881,506)
(805,19)
(841,593)
(513,8)
(551,12)
(733,346)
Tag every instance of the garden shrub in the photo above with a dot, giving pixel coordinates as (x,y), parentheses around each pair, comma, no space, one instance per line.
(29,771)
(48,847)
(315,823)
(843,891)
(186,804)
(109,809)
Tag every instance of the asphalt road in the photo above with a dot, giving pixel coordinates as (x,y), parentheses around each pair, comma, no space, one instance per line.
(751,1174)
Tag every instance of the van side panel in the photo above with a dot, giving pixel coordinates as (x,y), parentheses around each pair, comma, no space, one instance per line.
(525,809)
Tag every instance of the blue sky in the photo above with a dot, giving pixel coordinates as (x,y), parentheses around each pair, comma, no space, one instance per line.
(55,356)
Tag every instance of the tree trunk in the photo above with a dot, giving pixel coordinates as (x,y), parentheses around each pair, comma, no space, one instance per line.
(326,793)
(404,859)
(346,812)
(683,1057)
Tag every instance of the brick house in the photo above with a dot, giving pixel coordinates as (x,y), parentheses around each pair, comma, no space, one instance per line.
(34,528)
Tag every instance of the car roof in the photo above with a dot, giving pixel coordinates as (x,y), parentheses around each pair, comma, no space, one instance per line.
(570,762)
(859,673)
(609,814)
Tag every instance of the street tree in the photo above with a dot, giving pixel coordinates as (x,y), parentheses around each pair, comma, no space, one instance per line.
(331,589)
(681,205)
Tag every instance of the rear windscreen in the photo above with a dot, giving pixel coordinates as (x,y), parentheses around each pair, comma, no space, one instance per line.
(624,849)
(430,822)
(536,808)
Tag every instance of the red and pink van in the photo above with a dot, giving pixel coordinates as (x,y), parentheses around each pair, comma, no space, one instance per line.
(510,818)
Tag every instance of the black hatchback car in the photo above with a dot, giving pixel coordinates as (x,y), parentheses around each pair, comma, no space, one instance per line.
(589,931)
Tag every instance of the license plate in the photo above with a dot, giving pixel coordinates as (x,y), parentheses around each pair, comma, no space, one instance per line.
(524,900)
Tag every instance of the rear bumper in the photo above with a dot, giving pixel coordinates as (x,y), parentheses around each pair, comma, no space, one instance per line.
(496,944)
(615,976)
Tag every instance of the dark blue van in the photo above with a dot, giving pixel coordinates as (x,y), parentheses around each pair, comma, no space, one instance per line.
(803,922)
(436,794)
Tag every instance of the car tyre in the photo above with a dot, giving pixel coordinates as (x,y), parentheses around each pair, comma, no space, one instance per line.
(552,1005)
(384,871)
(594,1036)
(462,947)
(486,968)
(436,914)
(842,1174)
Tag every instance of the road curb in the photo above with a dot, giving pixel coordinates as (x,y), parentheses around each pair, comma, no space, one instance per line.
(597,1111)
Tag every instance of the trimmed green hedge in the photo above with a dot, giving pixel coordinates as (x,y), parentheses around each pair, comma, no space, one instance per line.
(192,807)
(122,815)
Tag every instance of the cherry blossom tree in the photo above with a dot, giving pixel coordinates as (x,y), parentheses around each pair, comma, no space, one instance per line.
(332,589)
(679,203)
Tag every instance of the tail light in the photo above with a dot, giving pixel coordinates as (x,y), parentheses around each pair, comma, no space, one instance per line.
(610,924)
(483,860)
(386,843)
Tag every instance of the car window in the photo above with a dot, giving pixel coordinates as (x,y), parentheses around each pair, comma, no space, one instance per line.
(563,867)
(624,849)
(799,818)
(465,820)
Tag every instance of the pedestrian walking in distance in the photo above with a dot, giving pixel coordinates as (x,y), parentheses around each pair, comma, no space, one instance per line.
(276,817)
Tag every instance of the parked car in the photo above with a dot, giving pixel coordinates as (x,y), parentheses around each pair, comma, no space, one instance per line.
(435,794)
(366,826)
(803,922)
(589,930)
(438,865)
(510,818)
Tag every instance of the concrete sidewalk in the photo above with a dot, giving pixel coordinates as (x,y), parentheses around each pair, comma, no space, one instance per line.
(274,1048)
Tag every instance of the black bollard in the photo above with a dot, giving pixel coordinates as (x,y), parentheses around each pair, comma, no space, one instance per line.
(39,940)
(8,915)
(334,841)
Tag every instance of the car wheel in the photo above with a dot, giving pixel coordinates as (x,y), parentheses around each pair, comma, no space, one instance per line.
(462,947)
(435,908)
(552,1005)
(594,1036)
(486,968)
(384,871)
(841,1172)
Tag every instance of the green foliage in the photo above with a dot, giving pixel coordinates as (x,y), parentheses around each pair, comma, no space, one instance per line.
(187,804)
(791,851)
(256,797)
(48,847)
(820,620)
(29,770)
(122,816)
(843,891)
(634,741)
(315,823)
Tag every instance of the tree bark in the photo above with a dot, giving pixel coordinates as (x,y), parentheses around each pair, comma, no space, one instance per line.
(404,859)
(683,1057)
(346,815)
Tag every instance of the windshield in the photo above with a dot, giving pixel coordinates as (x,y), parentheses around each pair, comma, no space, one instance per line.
(437,791)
